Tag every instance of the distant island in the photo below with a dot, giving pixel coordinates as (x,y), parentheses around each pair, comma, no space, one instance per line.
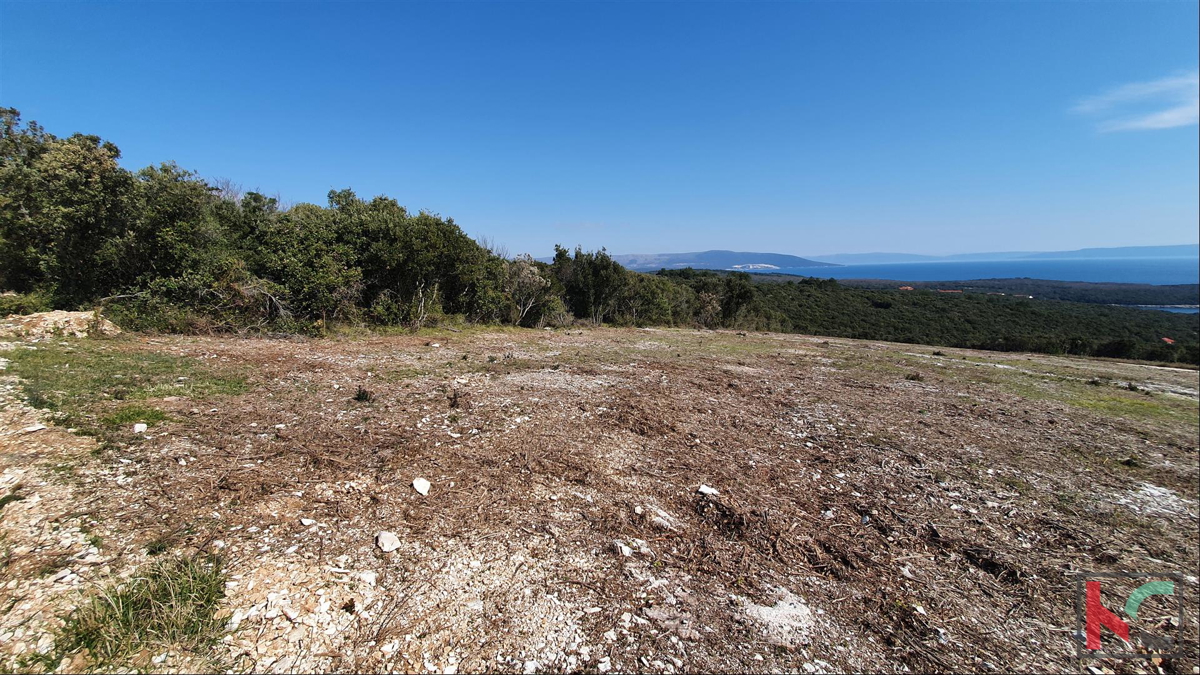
(749,261)
(715,260)
(1178,251)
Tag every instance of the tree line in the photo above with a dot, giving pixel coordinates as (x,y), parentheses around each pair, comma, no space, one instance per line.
(1071,291)
(163,249)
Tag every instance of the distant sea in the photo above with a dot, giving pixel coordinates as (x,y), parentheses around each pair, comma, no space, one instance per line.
(1173,310)
(1126,270)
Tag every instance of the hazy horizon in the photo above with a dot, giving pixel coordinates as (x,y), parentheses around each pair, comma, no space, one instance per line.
(816,256)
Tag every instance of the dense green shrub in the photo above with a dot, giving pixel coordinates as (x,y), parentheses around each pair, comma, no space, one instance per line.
(24,303)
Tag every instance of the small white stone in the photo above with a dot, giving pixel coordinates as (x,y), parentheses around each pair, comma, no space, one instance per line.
(421,485)
(387,541)
(706,490)
(369,578)
(140,428)
(307,521)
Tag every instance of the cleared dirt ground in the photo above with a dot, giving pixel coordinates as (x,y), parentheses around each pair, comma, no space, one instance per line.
(879,507)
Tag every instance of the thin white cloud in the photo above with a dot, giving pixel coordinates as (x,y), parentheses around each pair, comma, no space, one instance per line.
(1159,104)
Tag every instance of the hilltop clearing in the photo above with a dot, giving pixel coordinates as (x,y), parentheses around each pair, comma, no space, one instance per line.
(608,499)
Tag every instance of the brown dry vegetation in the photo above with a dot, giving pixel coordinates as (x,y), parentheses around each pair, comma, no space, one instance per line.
(882,507)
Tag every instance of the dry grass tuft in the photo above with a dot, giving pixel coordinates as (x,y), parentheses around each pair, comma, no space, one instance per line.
(171,606)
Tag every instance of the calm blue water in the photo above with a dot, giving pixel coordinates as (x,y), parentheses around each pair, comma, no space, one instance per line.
(1127,270)
(1173,310)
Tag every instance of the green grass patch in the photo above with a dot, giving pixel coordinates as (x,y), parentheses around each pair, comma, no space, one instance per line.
(1126,403)
(76,377)
(132,414)
(160,544)
(1144,407)
(400,374)
(170,604)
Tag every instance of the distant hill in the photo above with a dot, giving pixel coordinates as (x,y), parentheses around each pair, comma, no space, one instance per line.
(767,262)
(1180,251)
(715,260)
(877,258)
(888,258)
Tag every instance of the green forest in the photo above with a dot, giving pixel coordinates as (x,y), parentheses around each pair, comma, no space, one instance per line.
(163,249)
(1072,291)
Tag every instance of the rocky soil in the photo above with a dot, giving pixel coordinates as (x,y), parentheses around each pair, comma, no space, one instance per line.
(56,324)
(612,500)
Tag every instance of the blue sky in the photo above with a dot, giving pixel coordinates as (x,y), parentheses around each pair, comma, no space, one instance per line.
(804,128)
